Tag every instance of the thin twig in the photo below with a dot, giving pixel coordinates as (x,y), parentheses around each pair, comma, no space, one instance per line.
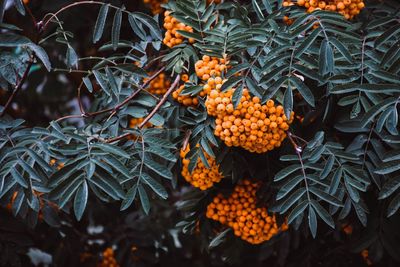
(162,101)
(120,105)
(120,137)
(156,108)
(18,86)
(85,114)
(70,117)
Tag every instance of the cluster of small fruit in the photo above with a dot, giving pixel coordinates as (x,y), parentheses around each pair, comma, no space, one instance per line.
(155,5)
(185,99)
(210,67)
(240,212)
(159,85)
(251,125)
(172,25)
(108,259)
(209,70)
(201,177)
(348,8)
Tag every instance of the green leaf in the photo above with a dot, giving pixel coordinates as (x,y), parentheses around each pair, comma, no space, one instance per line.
(304,90)
(111,149)
(144,199)
(237,96)
(342,49)
(307,42)
(70,190)
(288,101)
(136,112)
(155,186)
(80,200)
(286,172)
(129,198)
(388,167)
(258,10)
(116,28)
(368,88)
(231,82)
(293,198)
(158,168)
(323,213)
(100,23)
(34,175)
(312,221)
(150,23)
(394,205)
(112,81)
(299,209)
(41,54)
(72,57)
(386,35)
(389,187)
(326,62)
(219,239)
(101,81)
(325,196)
(117,165)
(328,167)
(375,110)
(18,178)
(288,187)
(19,5)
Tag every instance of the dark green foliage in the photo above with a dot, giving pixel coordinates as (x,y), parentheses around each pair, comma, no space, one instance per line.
(339,166)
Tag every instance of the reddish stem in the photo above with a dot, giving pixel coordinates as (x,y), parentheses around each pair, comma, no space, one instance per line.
(162,101)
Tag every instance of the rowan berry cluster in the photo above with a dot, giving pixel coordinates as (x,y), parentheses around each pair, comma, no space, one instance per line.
(172,25)
(348,8)
(159,85)
(108,259)
(253,224)
(201,177)
(155,5)
(210,67)
(186,100)
(253,126)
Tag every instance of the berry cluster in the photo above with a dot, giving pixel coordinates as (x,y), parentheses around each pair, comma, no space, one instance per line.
(187,100)
(172,25)
(108,259)
(239,211)
(348,8)
(155,5)
(201,177)
(253,126)
(159,85)
(210,67)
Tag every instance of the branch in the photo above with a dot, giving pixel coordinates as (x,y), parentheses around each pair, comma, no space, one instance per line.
(120,105)
(18,86)
(85,114)
(162,101)
(156,108)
